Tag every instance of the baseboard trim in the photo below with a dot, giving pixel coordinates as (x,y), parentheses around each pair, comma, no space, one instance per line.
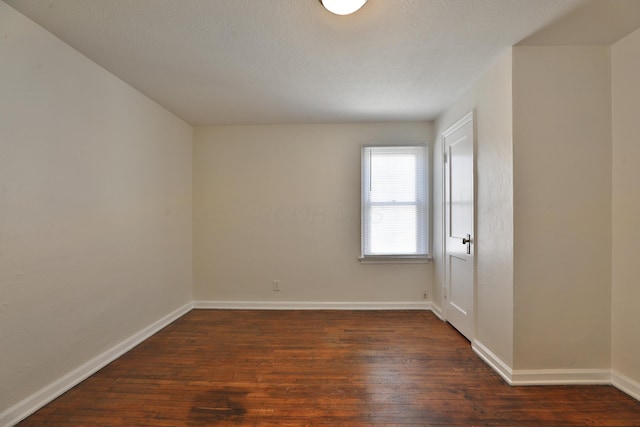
(28,406)
(302,305)
(626,384)
(560,377)
(437,311)
(522,377)
(491,359)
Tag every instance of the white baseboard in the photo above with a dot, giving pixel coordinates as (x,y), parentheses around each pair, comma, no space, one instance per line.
(45,395)
(302,305)
(560,376)
(626,384)
(492,360)
(522,377)
(437,311)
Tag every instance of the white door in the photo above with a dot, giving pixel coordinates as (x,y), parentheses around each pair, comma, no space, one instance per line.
(459,245)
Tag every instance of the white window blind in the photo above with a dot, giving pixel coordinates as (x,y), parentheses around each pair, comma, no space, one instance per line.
(394,201)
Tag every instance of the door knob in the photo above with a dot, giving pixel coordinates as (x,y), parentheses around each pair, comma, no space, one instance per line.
(467,241)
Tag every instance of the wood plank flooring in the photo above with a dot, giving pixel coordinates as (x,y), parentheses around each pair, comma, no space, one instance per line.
(330,368)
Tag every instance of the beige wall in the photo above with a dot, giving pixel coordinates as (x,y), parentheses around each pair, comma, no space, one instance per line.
(491,99)
(626,207)
(562,199)
(95,209)
(283,202)
(544,203)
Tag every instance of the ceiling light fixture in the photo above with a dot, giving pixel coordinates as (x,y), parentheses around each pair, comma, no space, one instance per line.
(342,7)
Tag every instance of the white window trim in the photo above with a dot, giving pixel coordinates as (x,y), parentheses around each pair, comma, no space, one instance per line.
(408,258)
(395,259)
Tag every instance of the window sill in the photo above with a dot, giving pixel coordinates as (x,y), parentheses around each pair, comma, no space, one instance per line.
(395,259)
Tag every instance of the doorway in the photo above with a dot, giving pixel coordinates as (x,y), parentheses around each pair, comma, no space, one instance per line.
(459,225)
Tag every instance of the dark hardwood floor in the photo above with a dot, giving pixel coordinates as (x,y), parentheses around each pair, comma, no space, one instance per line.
(332,368)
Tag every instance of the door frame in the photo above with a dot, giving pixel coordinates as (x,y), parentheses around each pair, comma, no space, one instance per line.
(466,118)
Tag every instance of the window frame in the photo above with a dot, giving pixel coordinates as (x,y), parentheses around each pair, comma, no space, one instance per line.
(423,220)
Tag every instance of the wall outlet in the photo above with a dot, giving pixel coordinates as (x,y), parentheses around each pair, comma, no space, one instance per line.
(276,285)
(425,294)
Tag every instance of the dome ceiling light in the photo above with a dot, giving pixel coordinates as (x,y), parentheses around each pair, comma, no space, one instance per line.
(342,7)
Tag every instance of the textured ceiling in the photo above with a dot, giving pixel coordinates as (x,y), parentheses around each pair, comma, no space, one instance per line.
(290,61)
(597,22)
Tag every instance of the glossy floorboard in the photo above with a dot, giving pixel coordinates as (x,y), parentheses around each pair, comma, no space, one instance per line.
(330,368)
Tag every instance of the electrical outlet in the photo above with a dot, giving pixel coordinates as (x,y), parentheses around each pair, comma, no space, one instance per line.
(425,294)
(276,285)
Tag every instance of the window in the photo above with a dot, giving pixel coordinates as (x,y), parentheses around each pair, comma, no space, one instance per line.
(394,208)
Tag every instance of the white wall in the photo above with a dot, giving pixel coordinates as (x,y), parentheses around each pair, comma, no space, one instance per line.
(562,199)
(283,202)
(491,98)
(95,209)
(626,208)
